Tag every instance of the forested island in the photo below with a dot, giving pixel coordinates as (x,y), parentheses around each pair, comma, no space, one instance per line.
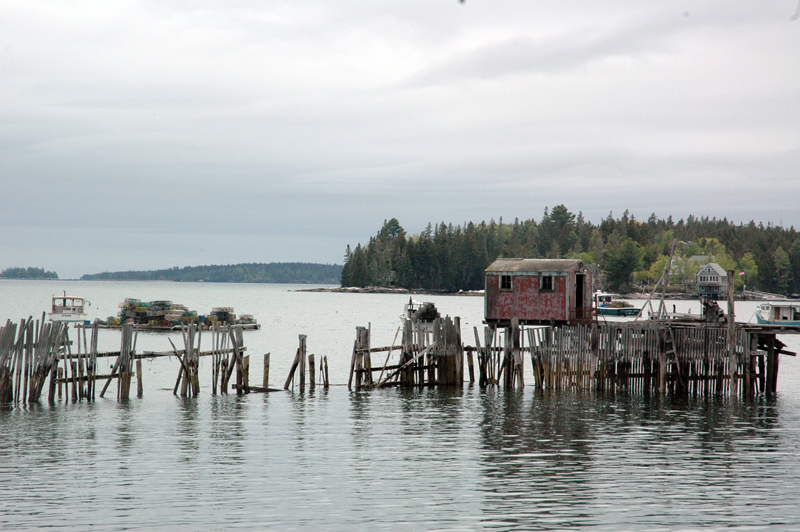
(274,272)
(630,253)
(27,273)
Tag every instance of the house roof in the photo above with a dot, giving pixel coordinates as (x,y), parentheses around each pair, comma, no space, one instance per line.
(533,265)
(716,267)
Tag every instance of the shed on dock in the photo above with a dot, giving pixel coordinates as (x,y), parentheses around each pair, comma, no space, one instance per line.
(538,292)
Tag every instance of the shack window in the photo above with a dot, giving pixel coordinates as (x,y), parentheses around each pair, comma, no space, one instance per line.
(547,283)
(505,282)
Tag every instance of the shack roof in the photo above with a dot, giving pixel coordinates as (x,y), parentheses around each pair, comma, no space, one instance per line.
(533,265)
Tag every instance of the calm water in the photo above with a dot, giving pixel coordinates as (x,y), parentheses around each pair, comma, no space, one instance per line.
(390,459)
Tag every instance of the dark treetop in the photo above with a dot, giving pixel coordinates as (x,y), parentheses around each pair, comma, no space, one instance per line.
(628,251)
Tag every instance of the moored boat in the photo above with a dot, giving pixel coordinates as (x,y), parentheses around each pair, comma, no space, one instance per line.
(785,313)
(607,304)
(68,308)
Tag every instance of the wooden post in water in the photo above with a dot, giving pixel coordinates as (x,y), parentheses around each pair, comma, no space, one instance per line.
(519,360)
(139,385)
(246,372)
(459,352)
(302,362)
(312,375)
(265,378)
(368,356)
(471,366)
(662,365)
(420,331)
(481,369)
(750,371)
(51,395)
(326,381)
(223,383)
(732,358)
(290,377)
(488,337)
(771,359)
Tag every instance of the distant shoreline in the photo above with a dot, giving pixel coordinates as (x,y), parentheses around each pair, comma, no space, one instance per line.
(476,293)
(385,290)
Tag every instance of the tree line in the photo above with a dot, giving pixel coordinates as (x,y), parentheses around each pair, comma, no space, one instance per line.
(630,253)
(27,273)
(274,272)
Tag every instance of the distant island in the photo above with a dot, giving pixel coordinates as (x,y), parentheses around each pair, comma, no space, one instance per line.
(274,272)
(27,273)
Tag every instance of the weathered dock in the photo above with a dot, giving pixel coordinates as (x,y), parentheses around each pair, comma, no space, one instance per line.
(35,350)
(430,354)
(706,354)
(709,354)
(657,356)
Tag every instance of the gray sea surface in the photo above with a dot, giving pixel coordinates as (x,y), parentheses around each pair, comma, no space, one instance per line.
(391,459)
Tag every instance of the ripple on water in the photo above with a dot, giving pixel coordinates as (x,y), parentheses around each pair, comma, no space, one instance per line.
(421,459)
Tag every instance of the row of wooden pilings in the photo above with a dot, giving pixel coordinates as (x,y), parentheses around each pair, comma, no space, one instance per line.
(430,354)
(650,356)
(36,350)
(298,369)
(646,356)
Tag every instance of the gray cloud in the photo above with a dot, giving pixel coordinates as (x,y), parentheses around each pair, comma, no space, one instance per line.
(173,133)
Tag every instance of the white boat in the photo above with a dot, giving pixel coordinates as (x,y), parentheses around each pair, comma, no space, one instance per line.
(786,313)
(68,308)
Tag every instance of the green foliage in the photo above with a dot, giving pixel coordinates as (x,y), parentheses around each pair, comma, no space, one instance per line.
(746,264)
(286,272)
(27,273)
(783,270)
(620,263)
(450,258)
(794,258)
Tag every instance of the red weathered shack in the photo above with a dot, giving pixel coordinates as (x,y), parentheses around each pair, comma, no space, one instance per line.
(538,291)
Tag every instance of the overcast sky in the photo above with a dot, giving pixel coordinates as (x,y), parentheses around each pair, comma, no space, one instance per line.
(143,135)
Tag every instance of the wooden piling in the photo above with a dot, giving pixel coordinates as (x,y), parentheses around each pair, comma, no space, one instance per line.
(302,362)
(265,378)
(139,382)
(290,377)
(312,376)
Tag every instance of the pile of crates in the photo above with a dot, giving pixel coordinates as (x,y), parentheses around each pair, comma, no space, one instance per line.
(221,316)
(156,313)
(166,314)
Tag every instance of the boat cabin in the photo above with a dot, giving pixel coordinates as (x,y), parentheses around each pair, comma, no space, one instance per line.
(779,313)
(62,304)
(538,291)
(68,308)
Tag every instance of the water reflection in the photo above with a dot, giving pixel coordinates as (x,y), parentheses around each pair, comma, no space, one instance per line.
(536,453)
(425,458)
(227,430)
(563,459)
(187,429)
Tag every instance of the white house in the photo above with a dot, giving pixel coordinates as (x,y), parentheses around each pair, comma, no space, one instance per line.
(712,281)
